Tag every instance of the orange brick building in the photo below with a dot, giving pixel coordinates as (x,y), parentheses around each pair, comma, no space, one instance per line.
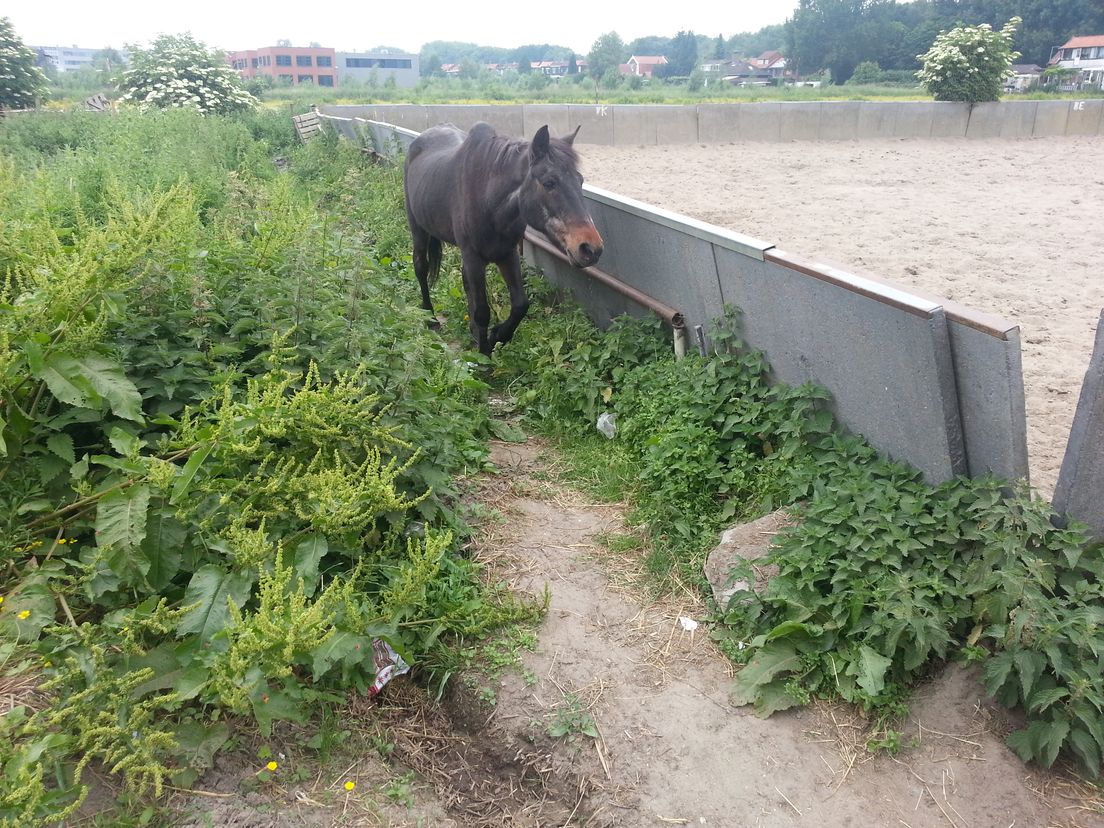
(295,64)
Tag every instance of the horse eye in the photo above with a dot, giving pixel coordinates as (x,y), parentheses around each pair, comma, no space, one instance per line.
(549,184)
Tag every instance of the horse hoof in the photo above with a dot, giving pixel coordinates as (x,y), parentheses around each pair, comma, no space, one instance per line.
(433,323)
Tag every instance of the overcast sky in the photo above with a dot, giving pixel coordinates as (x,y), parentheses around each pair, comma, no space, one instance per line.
(363,25)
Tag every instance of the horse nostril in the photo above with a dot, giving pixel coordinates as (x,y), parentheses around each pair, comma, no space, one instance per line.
(588,253)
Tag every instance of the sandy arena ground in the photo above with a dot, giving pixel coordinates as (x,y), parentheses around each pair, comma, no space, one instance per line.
(1012,227)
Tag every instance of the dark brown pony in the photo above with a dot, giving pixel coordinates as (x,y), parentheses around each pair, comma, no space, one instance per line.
(479,191)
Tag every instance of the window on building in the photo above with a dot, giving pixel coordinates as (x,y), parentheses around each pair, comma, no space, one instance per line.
(325,80)
(306,79)
(302,60)
(285,78)
(324,60)
(254,63)
(283,60)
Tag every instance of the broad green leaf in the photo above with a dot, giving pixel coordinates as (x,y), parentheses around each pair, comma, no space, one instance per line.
(772,698)
(1042,699)
(871,670)
(197,742)
(773,658)
(180,487)
(1085,747)
(108,379)
(162,547)
(1051,741)
(120,529)
(339,647)
(210,589)
(1029,665)
(123,441)
(997,670)
(506,432)
(1027,742)
(62,446)
(307,555)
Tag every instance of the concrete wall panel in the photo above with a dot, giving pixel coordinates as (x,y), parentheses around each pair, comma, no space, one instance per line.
(635,125)
(1081,480)
(554,116)
(877,119)
(759,122)
(949,120)
(883,354)
(839,121)
(1050,118)
(596,122)
(914,119)
(1002,119)
(799,121)
(1085,117)
(677,125)
(719,123)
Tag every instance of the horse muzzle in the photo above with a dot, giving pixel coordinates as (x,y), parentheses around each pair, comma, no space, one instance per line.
(584,248)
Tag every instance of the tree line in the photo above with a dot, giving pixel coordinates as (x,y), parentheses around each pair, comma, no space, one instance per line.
(836,35)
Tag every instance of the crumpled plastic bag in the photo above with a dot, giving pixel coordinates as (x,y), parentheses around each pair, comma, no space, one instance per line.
(389,664)
(607,424)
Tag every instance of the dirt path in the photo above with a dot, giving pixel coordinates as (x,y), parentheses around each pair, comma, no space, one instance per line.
(619,717)
(672,750)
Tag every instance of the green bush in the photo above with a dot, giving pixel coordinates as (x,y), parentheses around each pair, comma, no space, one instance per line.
(230,445)
(969,63)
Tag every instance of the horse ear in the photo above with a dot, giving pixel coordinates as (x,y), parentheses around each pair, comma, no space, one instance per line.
(539,147)
(570,139)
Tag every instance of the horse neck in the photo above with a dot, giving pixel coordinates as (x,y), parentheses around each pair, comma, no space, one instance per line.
(510,159)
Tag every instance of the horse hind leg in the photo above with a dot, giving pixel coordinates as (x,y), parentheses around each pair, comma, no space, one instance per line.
(427,266)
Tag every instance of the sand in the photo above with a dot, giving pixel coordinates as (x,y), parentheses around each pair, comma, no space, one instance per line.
(1012,227)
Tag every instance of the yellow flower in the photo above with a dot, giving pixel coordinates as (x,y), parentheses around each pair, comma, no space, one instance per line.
(62,541)
(272,766)
(1,599)
(24,615)
(350,785)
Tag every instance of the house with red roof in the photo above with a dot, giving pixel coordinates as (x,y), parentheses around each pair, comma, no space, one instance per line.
(643,65)
(1085,54)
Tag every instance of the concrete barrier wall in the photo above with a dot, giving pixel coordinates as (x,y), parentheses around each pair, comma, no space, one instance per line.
(1080,489)
(633,125)
(925,380)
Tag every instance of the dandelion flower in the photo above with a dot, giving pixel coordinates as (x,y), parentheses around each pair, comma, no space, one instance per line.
(24,615)
(272,766)
(350,785)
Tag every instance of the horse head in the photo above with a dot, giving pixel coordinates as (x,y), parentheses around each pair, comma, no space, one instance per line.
(552,198)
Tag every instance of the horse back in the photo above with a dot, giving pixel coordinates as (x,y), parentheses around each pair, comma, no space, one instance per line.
(430,179)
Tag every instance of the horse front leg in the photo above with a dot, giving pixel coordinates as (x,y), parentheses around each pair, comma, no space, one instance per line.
(510,268)
(425,248)
(479,311)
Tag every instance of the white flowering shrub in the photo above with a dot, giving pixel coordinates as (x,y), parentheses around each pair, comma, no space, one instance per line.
(969,63)
(21,81)
(179,71)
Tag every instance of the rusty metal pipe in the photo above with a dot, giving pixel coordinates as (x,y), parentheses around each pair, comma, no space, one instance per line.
(671,316)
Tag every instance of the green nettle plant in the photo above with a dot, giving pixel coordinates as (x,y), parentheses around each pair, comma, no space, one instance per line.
(20,80)
(180,71)
(969,63)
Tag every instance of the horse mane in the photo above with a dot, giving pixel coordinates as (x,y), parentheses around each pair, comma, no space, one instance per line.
(500,150)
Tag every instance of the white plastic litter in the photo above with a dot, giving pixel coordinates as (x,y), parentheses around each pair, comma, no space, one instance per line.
(688,624)
(389,664)
(607,424)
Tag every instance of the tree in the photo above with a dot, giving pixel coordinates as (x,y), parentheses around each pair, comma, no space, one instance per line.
(607,53)
(180,71)
(21,81)
(969,63)
(683,58)
(720,50)
(832,34)
(866,73)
